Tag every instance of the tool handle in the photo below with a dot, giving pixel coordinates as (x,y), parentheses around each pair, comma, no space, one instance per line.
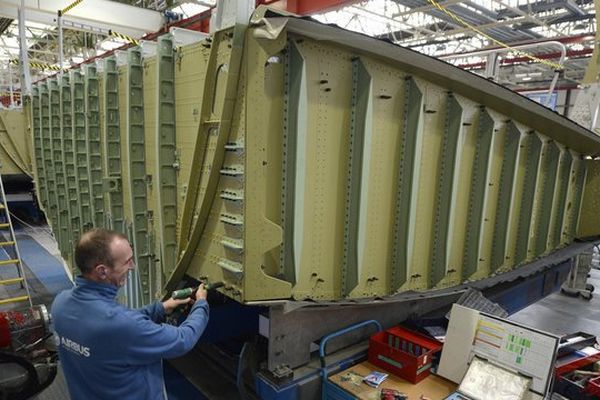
(187,292)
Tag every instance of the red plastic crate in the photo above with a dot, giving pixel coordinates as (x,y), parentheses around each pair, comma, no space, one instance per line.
(403,352)
(593,387)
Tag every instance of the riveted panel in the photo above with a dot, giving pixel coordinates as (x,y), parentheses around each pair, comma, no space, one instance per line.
(166,147)
(477,195)
(358,174)
(112,145)
(80,147)
(68,160)
(505,190)
(93,144)
(40,174)
(453,116)
(151,123)
(548,171)
(532,149)
(57,194)
(574,208)
(294,131)
(407,157)
(288,166)
(589,220)
(561,192)
(137,169)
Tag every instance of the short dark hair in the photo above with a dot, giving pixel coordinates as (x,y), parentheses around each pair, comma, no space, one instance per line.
(93,248)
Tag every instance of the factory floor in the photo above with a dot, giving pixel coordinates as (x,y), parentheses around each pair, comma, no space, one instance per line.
(556,313)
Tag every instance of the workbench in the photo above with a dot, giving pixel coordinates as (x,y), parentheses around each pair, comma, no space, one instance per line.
(433,387)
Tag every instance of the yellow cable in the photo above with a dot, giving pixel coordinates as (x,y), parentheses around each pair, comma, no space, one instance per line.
(554,65)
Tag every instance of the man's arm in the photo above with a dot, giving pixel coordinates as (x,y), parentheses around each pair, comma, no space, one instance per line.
(147,342)
(155,311)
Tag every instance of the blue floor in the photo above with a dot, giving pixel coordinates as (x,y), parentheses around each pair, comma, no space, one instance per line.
(46,268)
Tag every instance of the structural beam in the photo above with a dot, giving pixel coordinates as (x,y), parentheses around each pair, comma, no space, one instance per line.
(98,14)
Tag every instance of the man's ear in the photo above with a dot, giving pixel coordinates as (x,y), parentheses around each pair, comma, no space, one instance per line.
(101,271)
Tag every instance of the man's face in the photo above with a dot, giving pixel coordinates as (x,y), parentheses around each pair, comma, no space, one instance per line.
(123,262)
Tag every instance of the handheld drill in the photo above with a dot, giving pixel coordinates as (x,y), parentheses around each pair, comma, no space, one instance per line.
(187,292)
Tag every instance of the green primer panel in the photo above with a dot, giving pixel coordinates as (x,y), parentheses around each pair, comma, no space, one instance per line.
(413,104)
(54,130)
(444,189)
(41,186)
(80,147)
(112,145)
(561,198)
(507,175)
(94,157)
(166,147)
(69,155)
(137,169)
(578,195)
(293,82)
(477,195)
(532,149)
(68,158)
(59,168)
(549,167)
(361,92)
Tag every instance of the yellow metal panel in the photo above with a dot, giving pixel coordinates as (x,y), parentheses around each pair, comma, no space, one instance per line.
(589,218)
(123,118)
(432,135)
(190,70)
(458,226)
(491,204)
(571,209)
(13,138)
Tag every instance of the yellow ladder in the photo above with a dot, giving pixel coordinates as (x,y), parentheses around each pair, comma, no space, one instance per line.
(14,257)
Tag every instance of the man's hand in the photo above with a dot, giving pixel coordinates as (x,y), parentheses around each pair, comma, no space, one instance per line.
(172,304)
(201,292)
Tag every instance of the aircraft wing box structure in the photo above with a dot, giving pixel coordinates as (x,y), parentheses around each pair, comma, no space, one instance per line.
(295,160)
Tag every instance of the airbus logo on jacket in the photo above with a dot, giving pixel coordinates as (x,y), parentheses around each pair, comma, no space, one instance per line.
(109,351)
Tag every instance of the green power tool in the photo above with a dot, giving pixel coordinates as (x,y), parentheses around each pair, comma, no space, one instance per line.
(187,292)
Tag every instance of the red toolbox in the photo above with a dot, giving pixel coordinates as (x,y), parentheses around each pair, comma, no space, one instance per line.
(403,352)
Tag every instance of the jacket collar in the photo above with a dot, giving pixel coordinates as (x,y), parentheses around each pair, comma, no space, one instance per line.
(85,286)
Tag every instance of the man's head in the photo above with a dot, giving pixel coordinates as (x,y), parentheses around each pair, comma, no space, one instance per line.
(104,256)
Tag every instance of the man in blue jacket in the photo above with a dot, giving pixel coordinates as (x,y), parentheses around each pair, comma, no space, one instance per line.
(109,351)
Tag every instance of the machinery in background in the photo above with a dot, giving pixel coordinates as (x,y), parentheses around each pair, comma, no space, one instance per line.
(27,361)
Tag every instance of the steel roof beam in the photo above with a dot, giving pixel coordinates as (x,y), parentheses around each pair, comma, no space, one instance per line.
(101,14)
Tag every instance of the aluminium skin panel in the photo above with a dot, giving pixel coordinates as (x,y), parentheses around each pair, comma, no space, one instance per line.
(310,169)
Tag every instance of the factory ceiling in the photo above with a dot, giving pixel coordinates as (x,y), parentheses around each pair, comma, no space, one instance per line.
(454,30)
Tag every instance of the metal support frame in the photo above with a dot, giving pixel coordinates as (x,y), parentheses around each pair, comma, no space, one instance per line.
(166,154)
(36,108)
(445,189)
(112,146)
(94,157)
(80,147)
(137,171)
(24,56)
(532,150)
(479,184)
(510,147)
(61,215)
(356,184)
(66,102)
(407,159)
(292,133)
(97,15)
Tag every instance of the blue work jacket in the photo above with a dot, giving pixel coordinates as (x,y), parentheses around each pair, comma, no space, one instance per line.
(109,351)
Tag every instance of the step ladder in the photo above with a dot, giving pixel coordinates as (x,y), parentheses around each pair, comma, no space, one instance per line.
(14,257)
